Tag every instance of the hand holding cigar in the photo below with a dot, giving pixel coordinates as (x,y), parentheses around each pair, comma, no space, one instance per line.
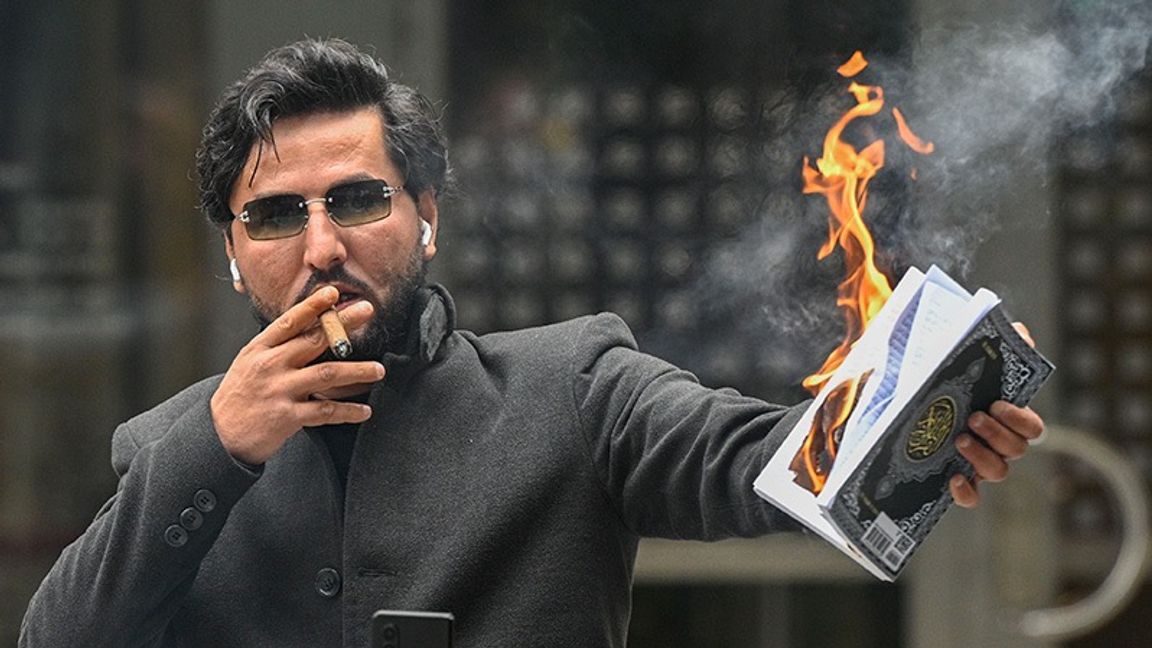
(334,331)
(278,384)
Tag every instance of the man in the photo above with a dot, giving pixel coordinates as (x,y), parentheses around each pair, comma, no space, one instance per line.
(505,478)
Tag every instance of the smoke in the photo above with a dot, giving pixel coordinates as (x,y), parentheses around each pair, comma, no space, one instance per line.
(983,89)
(992,97)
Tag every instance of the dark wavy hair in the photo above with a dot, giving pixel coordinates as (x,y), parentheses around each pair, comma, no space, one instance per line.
(313,76)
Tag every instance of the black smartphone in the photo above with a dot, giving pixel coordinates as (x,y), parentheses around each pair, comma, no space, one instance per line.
(407,629)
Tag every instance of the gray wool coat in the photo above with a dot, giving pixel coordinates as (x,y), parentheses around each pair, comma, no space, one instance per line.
(505,478)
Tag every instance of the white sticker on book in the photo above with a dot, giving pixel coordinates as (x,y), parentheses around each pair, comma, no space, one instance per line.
(884,539)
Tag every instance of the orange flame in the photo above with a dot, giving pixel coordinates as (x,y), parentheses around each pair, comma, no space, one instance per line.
(853,66)
(814,460)
(910,138)
(842,175)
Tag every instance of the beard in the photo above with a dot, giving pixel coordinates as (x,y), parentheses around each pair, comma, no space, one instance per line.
(388,330)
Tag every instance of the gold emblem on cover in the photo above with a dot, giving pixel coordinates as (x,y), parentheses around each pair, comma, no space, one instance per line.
(933,428)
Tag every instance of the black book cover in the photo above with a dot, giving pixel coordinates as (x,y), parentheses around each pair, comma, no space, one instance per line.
(899,490)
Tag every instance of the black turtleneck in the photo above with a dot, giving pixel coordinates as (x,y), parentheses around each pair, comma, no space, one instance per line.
(341,441)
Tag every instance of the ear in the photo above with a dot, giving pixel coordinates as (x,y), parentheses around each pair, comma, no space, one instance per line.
(230,251)
(427,210)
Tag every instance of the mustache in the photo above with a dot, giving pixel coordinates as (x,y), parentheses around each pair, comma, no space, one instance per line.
(334,275)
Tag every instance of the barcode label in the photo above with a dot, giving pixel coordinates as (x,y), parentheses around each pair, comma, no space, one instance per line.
(887,541)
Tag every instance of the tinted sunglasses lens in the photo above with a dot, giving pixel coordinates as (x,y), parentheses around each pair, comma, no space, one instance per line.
(275,217)
(360,202)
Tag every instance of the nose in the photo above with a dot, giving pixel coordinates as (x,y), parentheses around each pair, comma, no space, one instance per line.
(323,243)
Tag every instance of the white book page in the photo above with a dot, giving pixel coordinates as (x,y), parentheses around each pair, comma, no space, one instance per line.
(937,276)
(946,314)
(942,320)
(881,384)
(873,351)
(776,482)
(801,505)
(938,326)
(946,320)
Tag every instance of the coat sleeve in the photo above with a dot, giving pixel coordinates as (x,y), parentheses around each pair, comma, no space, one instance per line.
(678,459)
(121,582)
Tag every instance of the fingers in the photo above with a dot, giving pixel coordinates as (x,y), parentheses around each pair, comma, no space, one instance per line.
(298,331)
(1021,420)
(312,342)
(1006,431)
(1024,333)
(989,465)
(314,413)
(964,492)
(299,318)
(330,375)
(1000,438)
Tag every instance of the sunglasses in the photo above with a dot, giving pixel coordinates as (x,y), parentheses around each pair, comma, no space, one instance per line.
(355,203)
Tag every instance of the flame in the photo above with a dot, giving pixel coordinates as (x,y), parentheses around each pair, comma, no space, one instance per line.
(853,66)
(841,175)
(814,460)
(910,138)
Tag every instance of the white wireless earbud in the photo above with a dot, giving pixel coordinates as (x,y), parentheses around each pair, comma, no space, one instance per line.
(235,271)
(425,233)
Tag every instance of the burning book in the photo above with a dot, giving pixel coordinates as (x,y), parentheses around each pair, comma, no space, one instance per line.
(867,466)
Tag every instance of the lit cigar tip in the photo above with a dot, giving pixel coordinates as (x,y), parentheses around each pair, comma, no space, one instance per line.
(342,349)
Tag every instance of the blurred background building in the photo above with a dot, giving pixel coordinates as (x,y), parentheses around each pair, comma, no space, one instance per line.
(637,157)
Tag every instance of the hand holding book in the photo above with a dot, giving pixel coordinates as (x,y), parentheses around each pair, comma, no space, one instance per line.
(1006,431)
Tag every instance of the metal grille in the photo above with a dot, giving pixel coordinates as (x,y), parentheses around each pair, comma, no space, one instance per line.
(610,156)
(1105,203)
(607,197)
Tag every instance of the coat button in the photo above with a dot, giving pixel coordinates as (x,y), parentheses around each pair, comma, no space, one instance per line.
(204,500)
(175,536)
(191,519)
(328,582)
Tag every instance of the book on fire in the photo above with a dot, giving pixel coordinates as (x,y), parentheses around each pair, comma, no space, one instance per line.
(868,464)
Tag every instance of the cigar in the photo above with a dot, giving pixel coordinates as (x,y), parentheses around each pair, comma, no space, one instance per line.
(334,331)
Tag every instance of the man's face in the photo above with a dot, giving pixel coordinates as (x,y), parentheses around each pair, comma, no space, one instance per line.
(382,261)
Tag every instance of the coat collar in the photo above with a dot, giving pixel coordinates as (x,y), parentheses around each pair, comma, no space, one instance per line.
(431,320)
